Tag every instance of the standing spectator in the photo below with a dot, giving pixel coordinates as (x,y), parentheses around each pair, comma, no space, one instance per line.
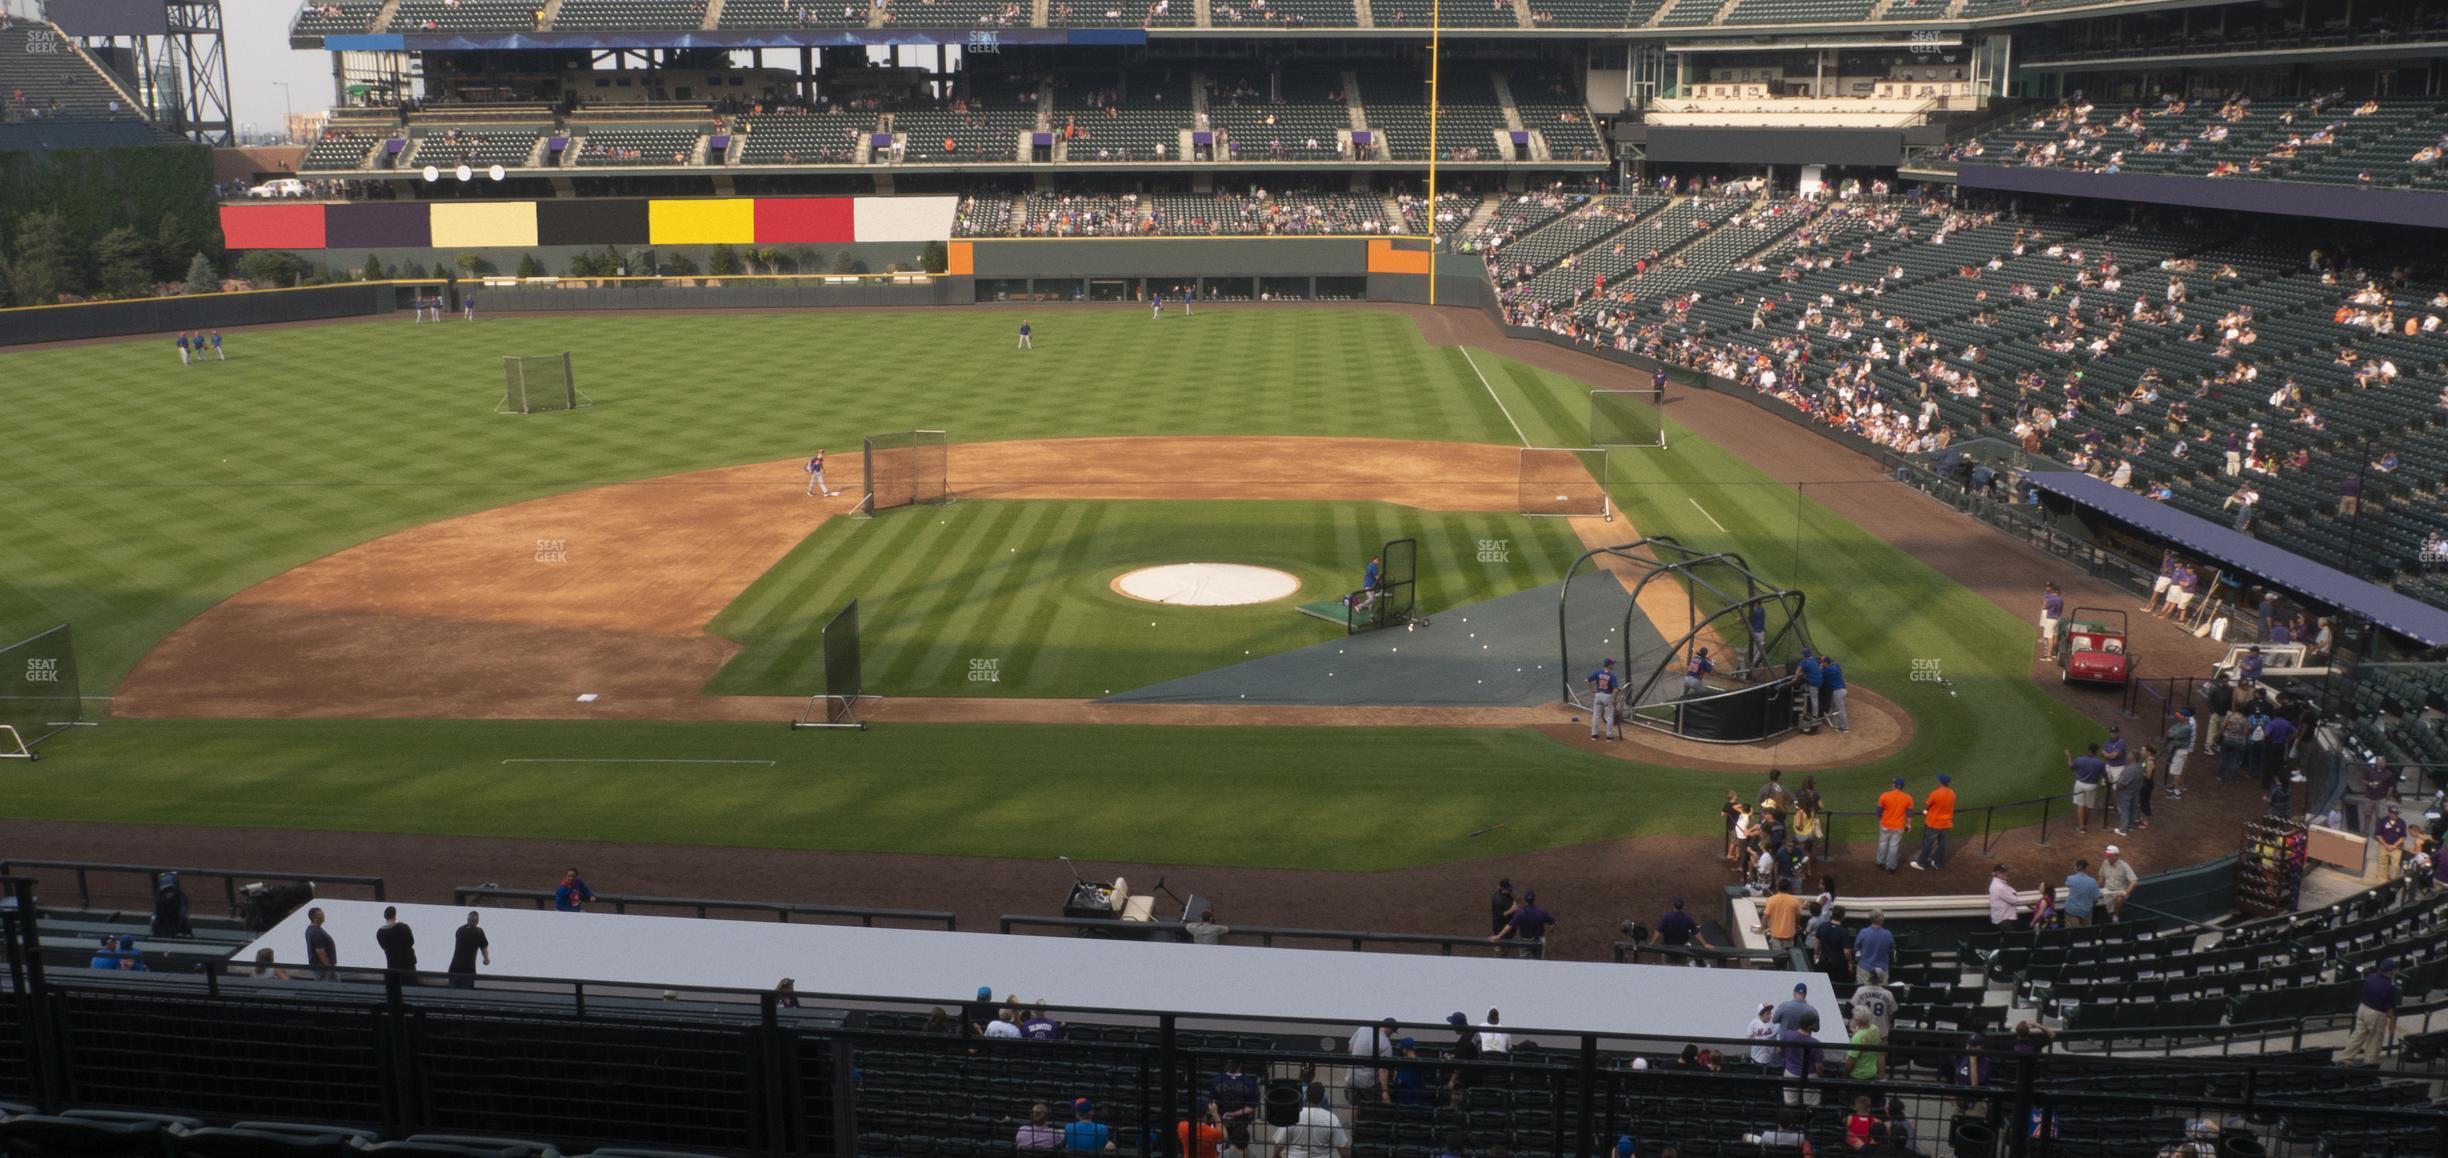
(398,943)
(1195,1139)
(1370,1045)
(321,951)
(1790,1012)
(2082,893)
(1500,906)
(2234,745)
(572,895)
(1039,1132)
(1465,1049)
(1233,1096)
(2118,880)
(1937,820)
(2127,788)
(2277,738)
(2180,736)
(1866,1061)
(2090,774)
(1803,1057)
(1527,926)
(1317,1133)
(1763,1034)
(2052,609)
(468,943)
(2375,1016)
(1895,812)
(978,1013)
(1833,947)
(1874,998)
(2003,906)
(1874,946)
(1781,917)
(1775,791)
(1039,1025)
(1085,1134)
(170,907)
(1492,1037)
(1832,686)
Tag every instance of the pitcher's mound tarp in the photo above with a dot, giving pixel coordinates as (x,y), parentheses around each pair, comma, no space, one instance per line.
(1500,653)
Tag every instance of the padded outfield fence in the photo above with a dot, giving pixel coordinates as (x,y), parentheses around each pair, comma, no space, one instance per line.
(905,468)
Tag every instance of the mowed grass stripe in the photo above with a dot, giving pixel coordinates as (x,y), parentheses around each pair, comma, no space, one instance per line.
(945,613)
(314,438)
(1066,553)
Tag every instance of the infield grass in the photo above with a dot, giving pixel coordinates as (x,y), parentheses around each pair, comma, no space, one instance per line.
(140,493)
(1021,591)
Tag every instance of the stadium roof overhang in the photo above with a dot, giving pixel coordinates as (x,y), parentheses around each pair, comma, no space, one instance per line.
(2322,584)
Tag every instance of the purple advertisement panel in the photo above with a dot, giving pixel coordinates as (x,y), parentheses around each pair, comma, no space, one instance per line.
(377,225)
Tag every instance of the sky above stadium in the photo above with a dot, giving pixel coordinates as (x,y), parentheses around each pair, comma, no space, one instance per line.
(260,58)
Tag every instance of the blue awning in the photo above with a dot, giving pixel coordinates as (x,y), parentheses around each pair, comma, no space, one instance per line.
(2329,586)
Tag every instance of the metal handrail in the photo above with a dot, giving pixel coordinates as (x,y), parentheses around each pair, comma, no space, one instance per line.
(1267,935)
(782,910)
(1629,952)
(229,877)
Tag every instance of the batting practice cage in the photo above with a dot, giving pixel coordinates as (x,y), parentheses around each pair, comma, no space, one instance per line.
(536,383)
(1687,601)
(38,692)
(906,468)
(1563,482)
(1396,595)
(1625,418)
(837,705)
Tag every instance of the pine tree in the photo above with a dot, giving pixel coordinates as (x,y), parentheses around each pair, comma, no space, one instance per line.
(123,263)
(200,276)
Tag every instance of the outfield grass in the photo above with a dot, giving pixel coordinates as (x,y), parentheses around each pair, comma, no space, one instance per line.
(1027,586)
(144,493)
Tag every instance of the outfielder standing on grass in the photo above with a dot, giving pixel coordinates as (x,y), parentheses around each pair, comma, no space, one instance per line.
(182,344)
(218,355)
(1189,298)
(1602,700)
(816,479)
(1026,343)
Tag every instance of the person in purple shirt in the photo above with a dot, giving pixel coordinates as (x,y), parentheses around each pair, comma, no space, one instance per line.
(1529,923)
(2090,772)
(2375,1016)
(2233,444)
(1803,1057)
(2276,735)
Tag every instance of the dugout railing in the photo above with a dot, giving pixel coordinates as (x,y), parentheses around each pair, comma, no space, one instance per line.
(746,1072)
(131,885)
(1274,936)
(708,907)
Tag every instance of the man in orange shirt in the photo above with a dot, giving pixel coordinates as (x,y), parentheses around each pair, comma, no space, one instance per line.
(1937,819)
(1209,1137)
(1781,917)
(1895,812)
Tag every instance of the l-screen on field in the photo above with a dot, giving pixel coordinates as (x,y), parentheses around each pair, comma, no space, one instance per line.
(291,564)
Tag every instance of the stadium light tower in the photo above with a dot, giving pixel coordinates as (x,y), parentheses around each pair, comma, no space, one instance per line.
(193,59)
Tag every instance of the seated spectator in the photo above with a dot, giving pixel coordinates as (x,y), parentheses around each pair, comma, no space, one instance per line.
(1039,1132)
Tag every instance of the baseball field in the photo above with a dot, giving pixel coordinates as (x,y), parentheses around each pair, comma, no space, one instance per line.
(324,586)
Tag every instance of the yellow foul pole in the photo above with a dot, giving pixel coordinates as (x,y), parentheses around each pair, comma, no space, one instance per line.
(1436,60)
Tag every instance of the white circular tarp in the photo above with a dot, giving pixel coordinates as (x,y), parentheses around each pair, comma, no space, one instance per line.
(1207,584)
